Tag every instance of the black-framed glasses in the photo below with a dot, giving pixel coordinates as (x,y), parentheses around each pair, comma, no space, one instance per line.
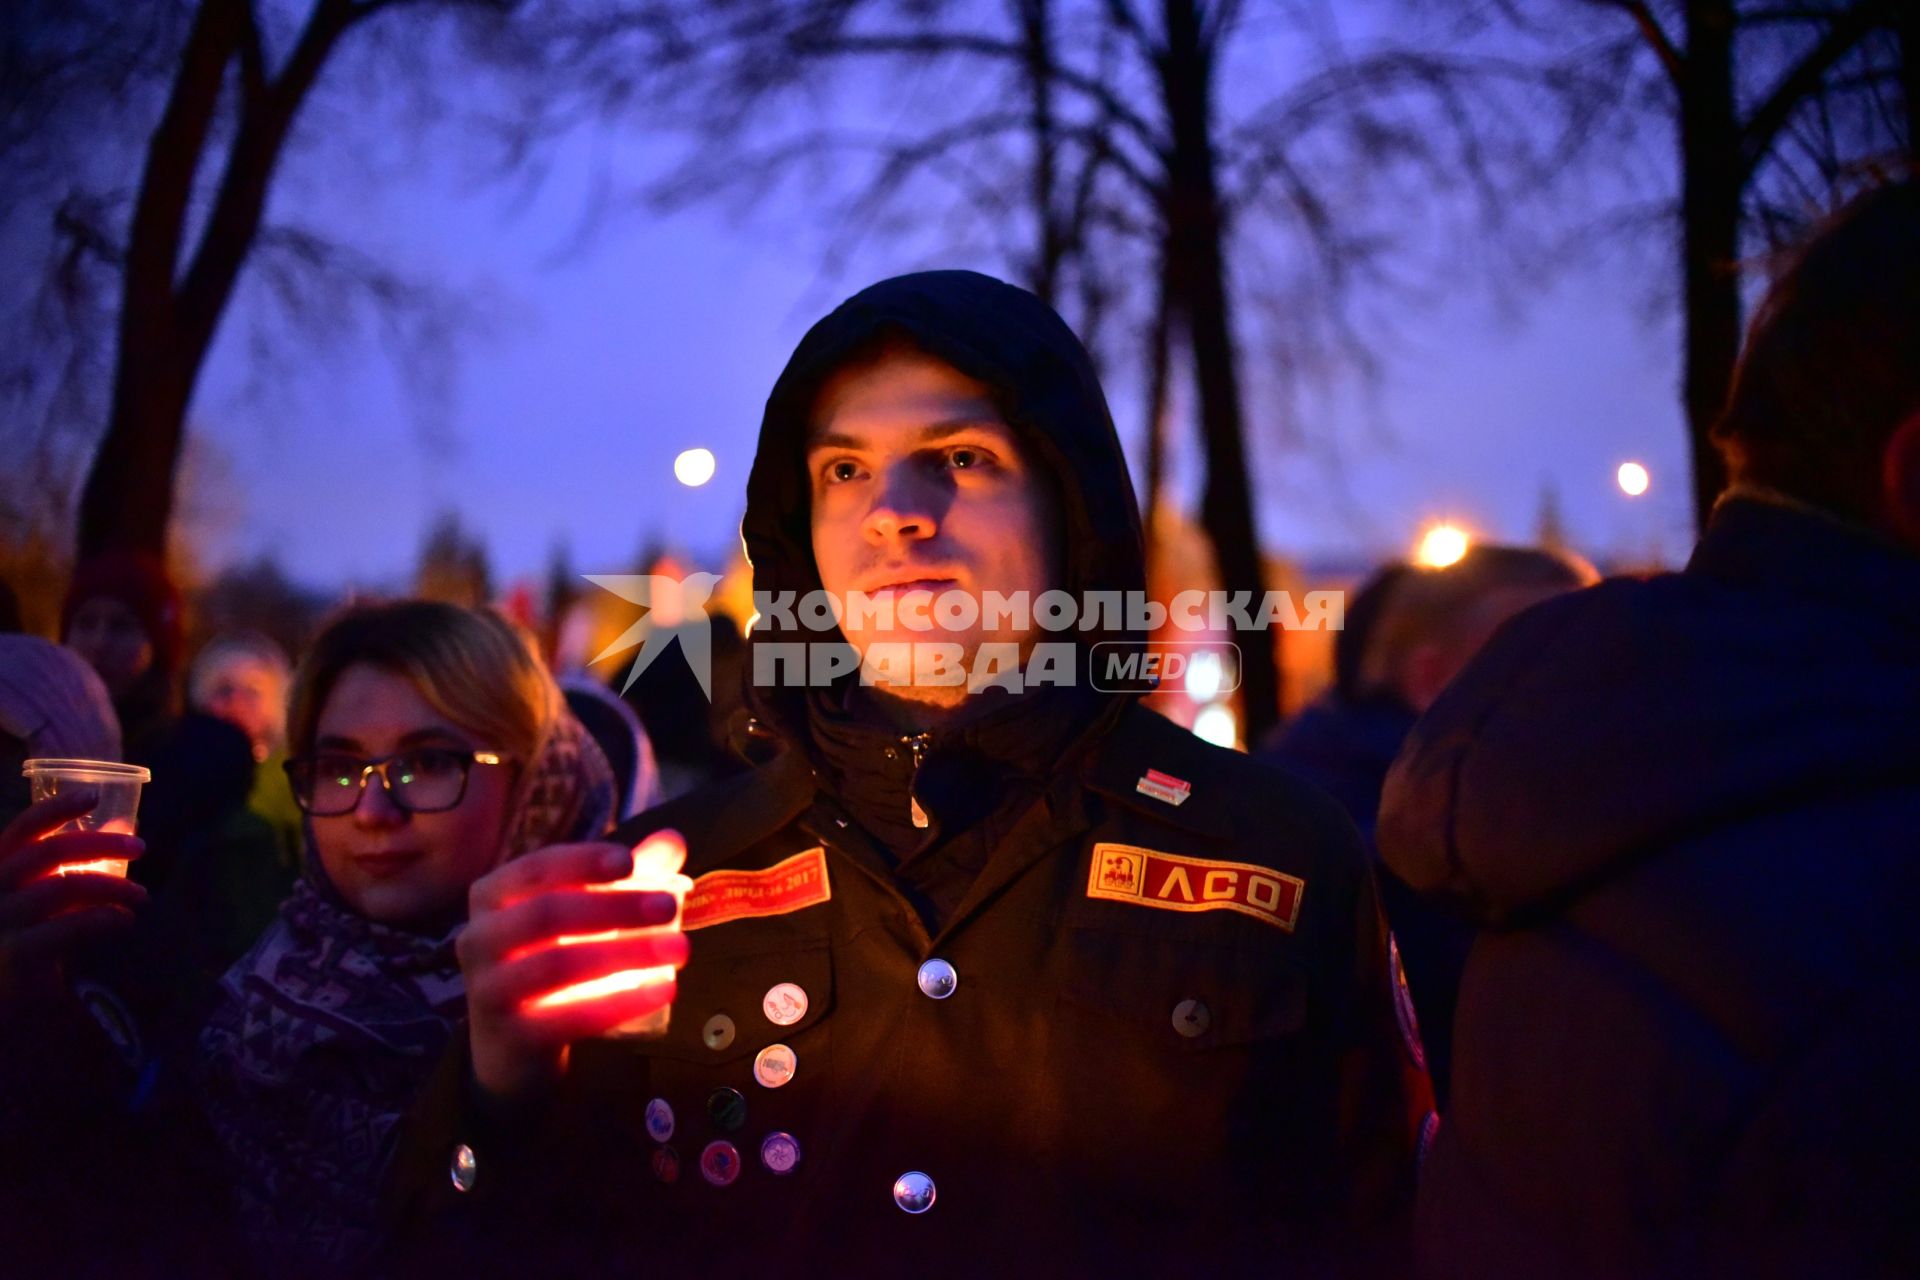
(328,784)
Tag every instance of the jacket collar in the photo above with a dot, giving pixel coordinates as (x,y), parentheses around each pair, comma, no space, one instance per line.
(1760,540)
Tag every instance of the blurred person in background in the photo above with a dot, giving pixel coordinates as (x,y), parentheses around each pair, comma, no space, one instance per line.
(1409,633)
(622,740)
(430,746)
(694,737)
(241,677)
(123,615)
(1683,812)
(217,869)
(104,1155)
(1344,740)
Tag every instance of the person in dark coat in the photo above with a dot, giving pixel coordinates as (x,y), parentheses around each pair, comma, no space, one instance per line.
(106,1163)
(1684,813)
(219,872)
(1417,628)
(1030,982)
(123,615)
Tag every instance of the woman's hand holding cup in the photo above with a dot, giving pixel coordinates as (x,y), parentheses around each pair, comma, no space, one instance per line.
(45,911)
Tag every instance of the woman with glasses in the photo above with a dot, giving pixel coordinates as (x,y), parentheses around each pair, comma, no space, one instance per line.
(429,745)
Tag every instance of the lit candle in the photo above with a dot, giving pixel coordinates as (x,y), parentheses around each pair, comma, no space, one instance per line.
(656,869)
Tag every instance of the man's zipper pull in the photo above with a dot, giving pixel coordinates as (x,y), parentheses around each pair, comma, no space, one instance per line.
(917,744)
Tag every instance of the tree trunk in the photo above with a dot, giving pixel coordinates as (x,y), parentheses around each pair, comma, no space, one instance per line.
(1197,271)
(1159,361)
(1710,199)
(167,328)
(128,498)
(1036,35)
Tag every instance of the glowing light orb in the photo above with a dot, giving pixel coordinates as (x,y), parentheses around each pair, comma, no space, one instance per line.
(1442,545)
(694,467)
(1633,479)
(1217,724)
(1205,677)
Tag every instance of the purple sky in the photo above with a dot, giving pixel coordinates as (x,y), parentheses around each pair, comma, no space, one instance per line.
(587,371)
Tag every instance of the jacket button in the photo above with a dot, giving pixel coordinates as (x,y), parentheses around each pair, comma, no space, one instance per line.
(464,1168)
(937,981)
(718,1033)
(913,1192)
(1191,1018)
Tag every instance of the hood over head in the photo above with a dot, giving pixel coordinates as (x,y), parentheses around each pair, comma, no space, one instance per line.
(1043,383)
(1782,669)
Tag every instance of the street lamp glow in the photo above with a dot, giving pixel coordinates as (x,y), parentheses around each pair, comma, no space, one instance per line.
(1217,724)
(694,467)
(1442,545)
(1205,676)
(1633,479)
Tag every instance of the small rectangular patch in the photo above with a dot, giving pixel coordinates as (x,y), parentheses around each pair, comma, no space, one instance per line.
(1164,786)
(720,896)
(1148,878)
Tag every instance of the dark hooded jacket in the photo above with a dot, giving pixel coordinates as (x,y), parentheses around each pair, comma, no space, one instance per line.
(1686,813)
(1104,1082)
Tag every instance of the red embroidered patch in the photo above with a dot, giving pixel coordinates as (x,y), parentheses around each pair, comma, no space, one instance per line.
(720,896)
(1148,878)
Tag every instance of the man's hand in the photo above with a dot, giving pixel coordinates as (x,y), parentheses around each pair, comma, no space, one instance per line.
(44,915)
(511,957)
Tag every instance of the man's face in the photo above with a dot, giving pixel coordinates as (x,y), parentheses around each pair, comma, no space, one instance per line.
(920,489)
(247,693)
(110,636)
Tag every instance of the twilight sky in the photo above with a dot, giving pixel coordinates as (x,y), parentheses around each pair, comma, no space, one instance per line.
(590,364)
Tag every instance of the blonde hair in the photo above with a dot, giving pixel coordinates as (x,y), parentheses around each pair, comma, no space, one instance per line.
(469,665)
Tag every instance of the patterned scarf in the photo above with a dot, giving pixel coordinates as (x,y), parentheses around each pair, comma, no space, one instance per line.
(325,1033)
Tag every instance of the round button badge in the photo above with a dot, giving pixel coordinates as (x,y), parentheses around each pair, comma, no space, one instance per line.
(913,1192)
(774,1065)
(659,1120)
(937,979)
(784,1004)
(780,1152)
(666,1164)
(720,1163)
(464,1169)
(727,1108)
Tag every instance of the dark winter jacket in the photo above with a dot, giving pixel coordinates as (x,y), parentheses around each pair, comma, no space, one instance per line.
(1686,812)
(1041,1005)
(1345,748)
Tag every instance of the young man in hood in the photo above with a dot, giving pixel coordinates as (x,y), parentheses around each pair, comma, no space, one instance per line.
(1684,812)
(987,974)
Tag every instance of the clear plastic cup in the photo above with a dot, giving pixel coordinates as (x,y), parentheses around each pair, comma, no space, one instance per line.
(656,869)
(118,786)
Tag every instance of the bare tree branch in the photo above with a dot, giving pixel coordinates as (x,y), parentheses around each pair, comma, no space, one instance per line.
(1672,61)
(1804,80)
